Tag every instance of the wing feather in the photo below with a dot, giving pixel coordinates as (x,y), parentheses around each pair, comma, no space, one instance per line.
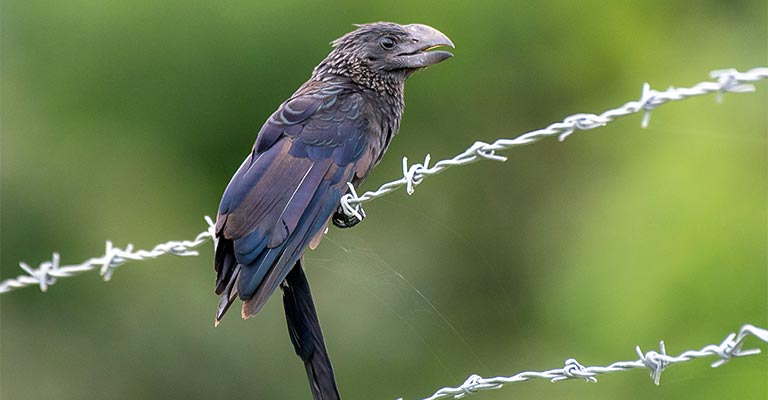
(282,196)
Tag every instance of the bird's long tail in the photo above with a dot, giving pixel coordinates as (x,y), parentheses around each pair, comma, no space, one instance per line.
(306,336)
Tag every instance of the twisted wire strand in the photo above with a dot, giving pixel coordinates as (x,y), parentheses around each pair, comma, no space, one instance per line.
(50,271)
(725,81)
(653,361)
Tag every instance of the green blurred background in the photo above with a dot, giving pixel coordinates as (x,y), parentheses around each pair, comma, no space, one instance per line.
(124,120)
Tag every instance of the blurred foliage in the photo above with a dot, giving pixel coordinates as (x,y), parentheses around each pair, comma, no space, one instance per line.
(124,120)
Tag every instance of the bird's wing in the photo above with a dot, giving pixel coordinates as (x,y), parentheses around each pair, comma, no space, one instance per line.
(286,190)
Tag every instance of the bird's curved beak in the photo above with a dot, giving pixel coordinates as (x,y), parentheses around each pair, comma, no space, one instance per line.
(420,53)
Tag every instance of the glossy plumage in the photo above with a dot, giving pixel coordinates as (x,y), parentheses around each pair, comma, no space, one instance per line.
(283,194)
(331,132)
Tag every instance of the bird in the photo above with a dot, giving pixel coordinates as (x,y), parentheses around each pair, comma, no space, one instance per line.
(329,134)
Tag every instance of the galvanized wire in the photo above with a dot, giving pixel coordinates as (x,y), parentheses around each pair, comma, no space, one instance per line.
(653,361)
(728,80)
(49,271)
(725,81)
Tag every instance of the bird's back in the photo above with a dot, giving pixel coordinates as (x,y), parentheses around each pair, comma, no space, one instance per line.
(329,133)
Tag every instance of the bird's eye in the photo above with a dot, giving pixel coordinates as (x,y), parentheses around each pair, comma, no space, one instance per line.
(387,43)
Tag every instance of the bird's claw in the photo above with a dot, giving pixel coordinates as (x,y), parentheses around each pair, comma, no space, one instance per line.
(342,220)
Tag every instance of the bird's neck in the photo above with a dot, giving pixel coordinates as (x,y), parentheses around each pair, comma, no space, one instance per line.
(348,67)
(384,93)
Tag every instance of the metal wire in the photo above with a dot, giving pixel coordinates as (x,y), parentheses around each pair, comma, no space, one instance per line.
(726,80)
(49,271)
(653,361)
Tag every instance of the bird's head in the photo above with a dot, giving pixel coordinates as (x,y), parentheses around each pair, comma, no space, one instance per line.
(385,51)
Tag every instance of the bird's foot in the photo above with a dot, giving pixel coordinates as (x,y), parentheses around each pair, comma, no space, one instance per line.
(342,220)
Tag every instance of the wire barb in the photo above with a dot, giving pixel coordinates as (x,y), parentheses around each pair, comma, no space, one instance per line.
(654,361)
(351,210)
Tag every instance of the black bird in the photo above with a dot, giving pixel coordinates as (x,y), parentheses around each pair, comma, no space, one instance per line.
(332,131)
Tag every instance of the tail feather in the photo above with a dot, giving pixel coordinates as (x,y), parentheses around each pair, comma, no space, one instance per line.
(225,264)
(227,273)
(228,295)
(306,336)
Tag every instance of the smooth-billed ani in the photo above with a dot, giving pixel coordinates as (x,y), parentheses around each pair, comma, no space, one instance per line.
(332,131)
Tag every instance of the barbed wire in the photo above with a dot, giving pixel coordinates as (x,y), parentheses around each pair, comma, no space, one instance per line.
(654,361)
(727,81)
(49,271)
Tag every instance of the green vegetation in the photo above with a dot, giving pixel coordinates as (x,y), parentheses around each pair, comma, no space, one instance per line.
(124,120)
